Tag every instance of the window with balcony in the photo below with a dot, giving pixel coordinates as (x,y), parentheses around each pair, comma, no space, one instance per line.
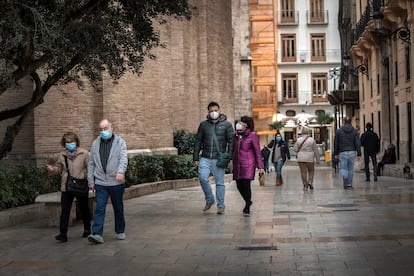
(316,13)
(290,88)
(319,87)
(318,47)
(287,11)
(288,47)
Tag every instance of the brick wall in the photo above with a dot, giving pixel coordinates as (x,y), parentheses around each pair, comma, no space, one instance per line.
(172,93)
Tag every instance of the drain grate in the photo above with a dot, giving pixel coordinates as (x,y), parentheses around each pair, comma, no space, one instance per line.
(338,205)
(273,247)
(291,212)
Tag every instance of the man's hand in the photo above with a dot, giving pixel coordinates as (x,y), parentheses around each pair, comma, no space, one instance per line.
(196,163)
(119,177)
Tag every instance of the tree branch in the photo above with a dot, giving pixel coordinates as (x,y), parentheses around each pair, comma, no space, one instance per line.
(12,131)
(37,98)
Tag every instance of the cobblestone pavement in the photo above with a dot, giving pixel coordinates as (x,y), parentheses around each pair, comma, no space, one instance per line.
(328,231)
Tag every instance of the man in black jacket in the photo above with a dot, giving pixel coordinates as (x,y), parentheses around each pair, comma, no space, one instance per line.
(370,142)
(206,143)
(347,146)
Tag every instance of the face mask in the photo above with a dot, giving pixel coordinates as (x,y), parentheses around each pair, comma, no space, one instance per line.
(106,134)
(239,126)
(214,115)
(71,146)
(278,139)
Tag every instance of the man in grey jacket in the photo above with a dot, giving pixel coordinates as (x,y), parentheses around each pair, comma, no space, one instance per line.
(106,174)
(347,146)
(216,123)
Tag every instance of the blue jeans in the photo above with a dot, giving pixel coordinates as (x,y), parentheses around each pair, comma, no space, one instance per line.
(205,167)
(278,168)
(346,163)
(102,194)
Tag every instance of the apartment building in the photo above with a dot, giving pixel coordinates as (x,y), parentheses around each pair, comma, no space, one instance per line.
(295,51)
(381,45)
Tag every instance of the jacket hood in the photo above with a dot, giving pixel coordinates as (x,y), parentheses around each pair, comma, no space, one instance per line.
(348,128)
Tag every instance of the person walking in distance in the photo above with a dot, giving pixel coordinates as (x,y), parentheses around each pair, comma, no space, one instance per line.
(246,158)
(74,160)
(280,154)
(215,126)
(106,173)
(371,144)
(307,152)
(347,147)
(265,154)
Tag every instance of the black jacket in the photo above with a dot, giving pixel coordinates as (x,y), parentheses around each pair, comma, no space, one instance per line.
(370,142)
(347,139)
(284,149)
(205,141)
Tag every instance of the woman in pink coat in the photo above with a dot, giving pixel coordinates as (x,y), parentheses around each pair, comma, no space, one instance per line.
(247,157)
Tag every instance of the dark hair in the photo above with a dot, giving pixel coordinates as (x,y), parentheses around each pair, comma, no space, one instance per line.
(248,121)
(347,120)
(212,104)
(70,135)
(368,126)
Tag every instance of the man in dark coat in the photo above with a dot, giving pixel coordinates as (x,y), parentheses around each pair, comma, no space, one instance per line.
(213,135)
(370,142)
(347,147)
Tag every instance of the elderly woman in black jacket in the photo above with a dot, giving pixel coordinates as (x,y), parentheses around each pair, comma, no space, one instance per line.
(279,155)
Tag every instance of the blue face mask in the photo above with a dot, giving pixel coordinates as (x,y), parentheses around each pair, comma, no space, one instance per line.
(106,134)
(71,146)
(278,139)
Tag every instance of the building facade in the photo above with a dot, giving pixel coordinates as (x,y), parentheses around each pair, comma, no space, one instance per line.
(295,45)
(381,44)
(173,92)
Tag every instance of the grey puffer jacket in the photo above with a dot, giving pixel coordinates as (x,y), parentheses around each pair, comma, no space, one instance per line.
(347,139)
(205,141)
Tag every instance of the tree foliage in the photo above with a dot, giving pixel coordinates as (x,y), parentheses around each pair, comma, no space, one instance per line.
(277,125)
(60,41)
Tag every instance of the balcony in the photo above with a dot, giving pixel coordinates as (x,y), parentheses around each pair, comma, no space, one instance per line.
(317,18)
(362,24)
(288,17)
(337,97)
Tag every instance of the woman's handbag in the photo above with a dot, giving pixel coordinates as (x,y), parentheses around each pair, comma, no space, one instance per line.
(224,157)
(76,186)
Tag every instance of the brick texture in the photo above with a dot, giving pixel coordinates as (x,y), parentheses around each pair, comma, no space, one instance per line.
(172,93)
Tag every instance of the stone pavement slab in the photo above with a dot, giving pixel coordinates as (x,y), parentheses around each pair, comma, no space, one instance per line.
(328,231)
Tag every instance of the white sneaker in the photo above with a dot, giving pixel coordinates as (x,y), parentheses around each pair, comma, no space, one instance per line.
(95,239)
(120,236)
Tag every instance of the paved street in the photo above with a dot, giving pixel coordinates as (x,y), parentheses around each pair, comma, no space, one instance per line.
(328,231)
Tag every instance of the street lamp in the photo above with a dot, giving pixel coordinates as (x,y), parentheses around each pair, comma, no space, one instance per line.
(402,33)
(363,67)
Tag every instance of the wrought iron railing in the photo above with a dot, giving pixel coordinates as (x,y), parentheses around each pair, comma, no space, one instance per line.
(362,23)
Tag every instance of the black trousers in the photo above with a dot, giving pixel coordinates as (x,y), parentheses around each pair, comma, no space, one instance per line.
(66,204)
(243,185)
(373,157)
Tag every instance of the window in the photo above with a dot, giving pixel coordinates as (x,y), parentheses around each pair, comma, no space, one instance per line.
(396,72)
(316,11)
(407,63)
(319,87)
(290,88)
(318,47)
(291,113)
(288,47)
(287,11)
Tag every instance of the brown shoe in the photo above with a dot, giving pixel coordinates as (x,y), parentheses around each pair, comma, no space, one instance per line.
(279,182)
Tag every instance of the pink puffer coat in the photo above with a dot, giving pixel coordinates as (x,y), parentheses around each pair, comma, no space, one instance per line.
(247,155)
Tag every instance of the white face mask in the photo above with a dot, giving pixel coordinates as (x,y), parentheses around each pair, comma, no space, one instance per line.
(214,115)
(239,126)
